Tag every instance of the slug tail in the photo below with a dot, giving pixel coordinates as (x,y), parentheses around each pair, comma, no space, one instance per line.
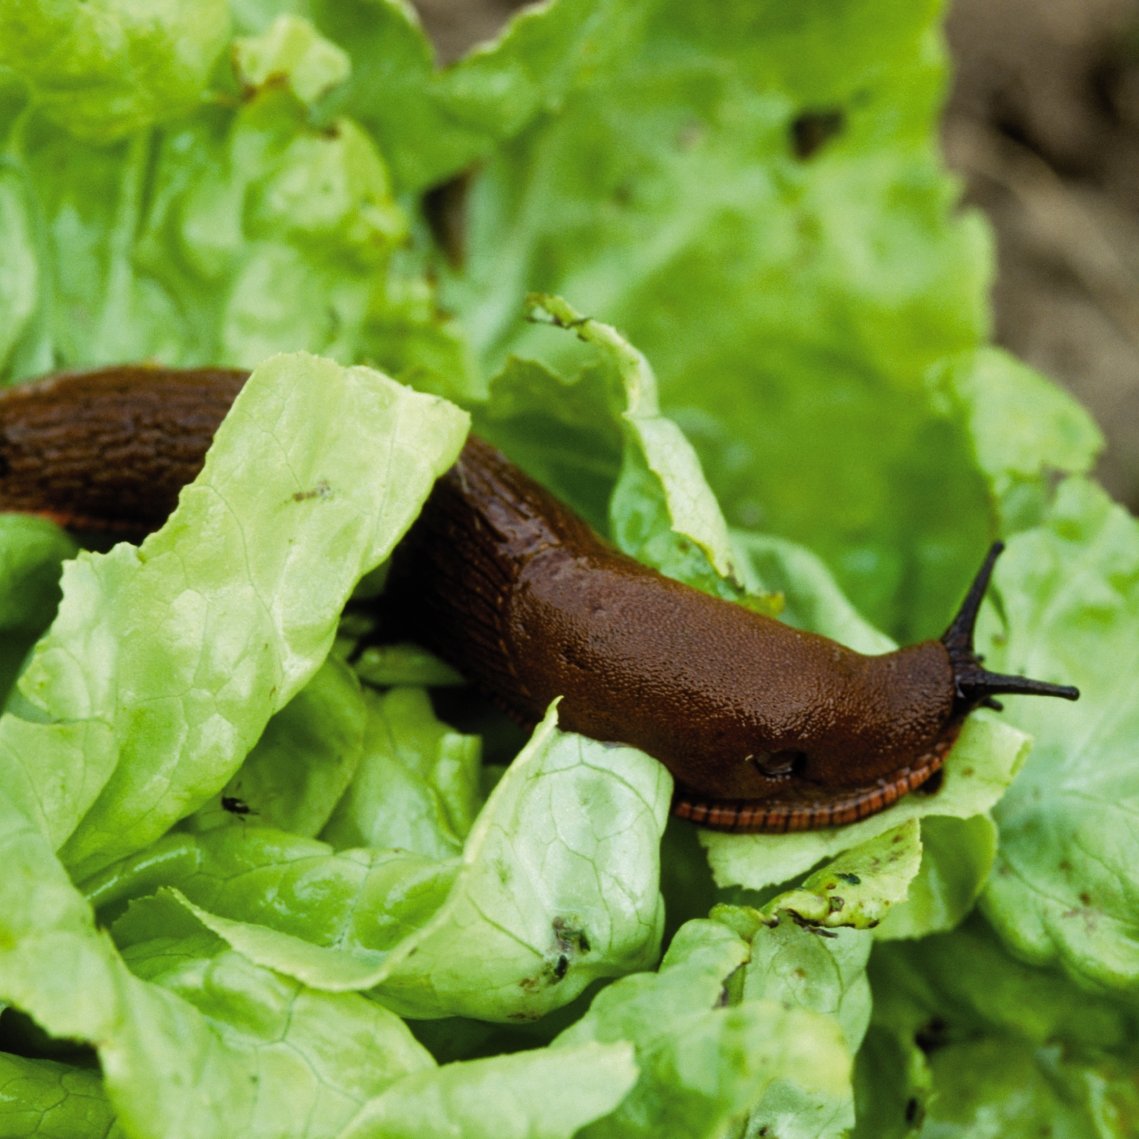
(975,684)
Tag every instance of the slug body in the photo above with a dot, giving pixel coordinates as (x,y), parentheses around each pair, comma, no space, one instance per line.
(108,451)
(764,727)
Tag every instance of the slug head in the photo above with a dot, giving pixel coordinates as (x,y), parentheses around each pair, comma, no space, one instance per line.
(905,714)
(975,685)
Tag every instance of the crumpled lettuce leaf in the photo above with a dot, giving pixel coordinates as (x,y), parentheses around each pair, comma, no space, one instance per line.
(246,1035)
(417,788)
(1064,887)
(991,1045)
(242,1023)
(166,661)
(992,1087)
(660,509)
(291,51)
(435,122)
(108,68)
(1022,429)
(801,965)
(957,859)
(303,763)
(48,1099)
(860,887)
(496,1098)
(919,981)
(332,1051)
(555,887)
(248,229)
(32,552)
(1005,1089)
(706,1057)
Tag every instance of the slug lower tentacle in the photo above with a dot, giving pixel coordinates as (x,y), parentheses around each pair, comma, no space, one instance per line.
(764,727)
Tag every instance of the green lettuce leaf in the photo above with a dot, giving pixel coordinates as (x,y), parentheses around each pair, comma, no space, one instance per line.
(957,859)
(823,971)
(224,237)
(32,553)
(860,887)
(706,1059)
(661,506)
(598,432)
(304,761)
(290,50)
(1064,887)
(991,1045)
(166,661)
(1022,428)
(892,1085)
(808,596)
(1005,1089)
(435,122)
(47,1099)
(555,887)
(107,69)
(332,1051)
(403,664)
(992,1087)
(295,897)
(918,982)
(530,1095)
(417,788)
(56,966)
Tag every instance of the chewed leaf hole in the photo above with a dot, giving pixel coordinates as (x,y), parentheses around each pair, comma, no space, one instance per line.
(812,130)
(569,938)
(570,943)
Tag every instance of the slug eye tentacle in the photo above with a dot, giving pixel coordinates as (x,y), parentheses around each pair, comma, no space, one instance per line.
(975,685)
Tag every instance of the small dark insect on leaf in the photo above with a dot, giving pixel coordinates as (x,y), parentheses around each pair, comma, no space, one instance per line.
(236,806)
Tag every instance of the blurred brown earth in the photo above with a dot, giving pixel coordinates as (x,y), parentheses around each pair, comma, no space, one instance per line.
(1043,126)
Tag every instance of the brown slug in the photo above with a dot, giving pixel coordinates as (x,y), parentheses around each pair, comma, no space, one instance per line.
(764,727)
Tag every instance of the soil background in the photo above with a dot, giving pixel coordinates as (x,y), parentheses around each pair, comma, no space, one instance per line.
(1042,124)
